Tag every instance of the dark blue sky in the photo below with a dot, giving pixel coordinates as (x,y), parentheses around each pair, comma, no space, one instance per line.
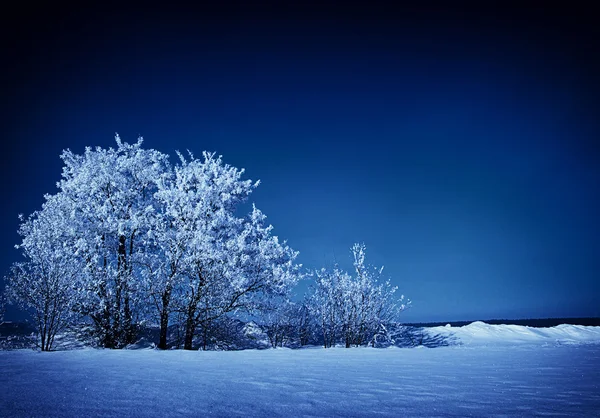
(460,145)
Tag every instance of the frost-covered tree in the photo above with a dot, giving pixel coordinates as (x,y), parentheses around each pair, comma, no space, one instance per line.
(144,236)
(370,301)
(45,283)
(265,266)
(199,204)
(278,320)
(168,236)
(303,323)
(325,303)
(209,261)
(287,323)
(111,193)
(352,308)
(237,265)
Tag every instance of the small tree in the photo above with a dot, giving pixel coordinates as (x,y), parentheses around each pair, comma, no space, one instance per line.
(197,201)
(43,284)
(112,205)
(303,323)
(353,308)
(326,302)
(278,321)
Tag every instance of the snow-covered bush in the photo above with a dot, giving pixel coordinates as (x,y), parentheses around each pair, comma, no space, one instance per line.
(398,335)
(353,308)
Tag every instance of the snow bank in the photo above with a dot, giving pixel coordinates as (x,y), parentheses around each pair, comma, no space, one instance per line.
(480,333)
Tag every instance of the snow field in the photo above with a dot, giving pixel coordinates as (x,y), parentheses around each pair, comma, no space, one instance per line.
(557,380)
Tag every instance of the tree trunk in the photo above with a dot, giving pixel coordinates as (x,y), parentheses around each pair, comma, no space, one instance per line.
(164,318)
(103,323)
(118,327)
(204,336)
(190,329)
(128,327)
(164,323)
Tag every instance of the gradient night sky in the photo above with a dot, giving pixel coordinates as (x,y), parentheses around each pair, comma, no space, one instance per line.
(460,145)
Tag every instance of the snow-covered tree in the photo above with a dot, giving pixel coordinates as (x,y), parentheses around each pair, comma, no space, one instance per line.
(277,320)
(352,308)
(199,204)
(111,196)
(144,236)
(303,323)
(370,302)
(210,261)
(287,322)
(45,284)
(238,266)
(265,266)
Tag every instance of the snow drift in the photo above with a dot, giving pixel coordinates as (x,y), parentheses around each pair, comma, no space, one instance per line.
(480,333)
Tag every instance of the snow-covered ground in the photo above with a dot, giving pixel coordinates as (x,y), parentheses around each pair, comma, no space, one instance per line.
(549,377)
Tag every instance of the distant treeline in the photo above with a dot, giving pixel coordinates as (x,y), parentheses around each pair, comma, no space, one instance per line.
(536,323)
